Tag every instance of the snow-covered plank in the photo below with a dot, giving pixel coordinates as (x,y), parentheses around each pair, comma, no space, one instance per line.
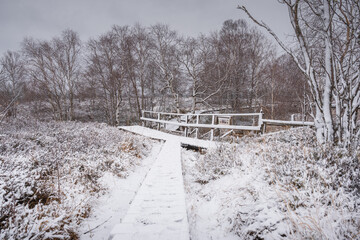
(290,123)
(113,206)
(158,210)
(148,132)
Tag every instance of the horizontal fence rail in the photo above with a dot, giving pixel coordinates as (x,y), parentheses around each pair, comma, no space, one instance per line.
(194,125)
(287,123)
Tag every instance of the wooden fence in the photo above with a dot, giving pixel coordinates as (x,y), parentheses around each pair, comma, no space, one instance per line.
(186,122)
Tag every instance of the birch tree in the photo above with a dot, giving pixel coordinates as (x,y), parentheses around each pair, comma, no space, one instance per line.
(195,56)
(164,58)
(231,50)
(105,70)
(54,68)
(242,55)
(258,53)
(327,33)
(68,67)
(143,45)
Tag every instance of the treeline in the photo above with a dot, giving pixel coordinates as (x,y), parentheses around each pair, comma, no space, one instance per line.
(131,68)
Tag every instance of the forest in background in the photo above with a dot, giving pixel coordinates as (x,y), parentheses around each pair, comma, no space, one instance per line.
(133,68)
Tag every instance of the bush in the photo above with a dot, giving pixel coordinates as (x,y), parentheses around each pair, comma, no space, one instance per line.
(216,163)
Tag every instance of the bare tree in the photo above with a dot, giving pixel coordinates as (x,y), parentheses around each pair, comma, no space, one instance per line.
(54,67)
(258,54)
(286,92)
(126,58)
(104,69)
(241,55)
(12,79)
(143,45)
(69,67)
(345,56)
(164,58)
(192,57)
(231,46)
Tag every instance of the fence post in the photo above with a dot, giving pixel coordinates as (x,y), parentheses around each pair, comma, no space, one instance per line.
(142,116)
(264,128)
(158,126)
(165,119)
(186,128)
(212,129)
(261,123)
(197,129)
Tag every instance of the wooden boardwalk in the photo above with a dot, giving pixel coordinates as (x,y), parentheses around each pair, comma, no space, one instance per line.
(158,210)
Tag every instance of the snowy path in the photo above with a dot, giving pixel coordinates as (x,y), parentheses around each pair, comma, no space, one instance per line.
(158,210)
(112,207)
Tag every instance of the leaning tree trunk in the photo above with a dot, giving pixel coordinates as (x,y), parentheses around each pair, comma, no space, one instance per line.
(329,71)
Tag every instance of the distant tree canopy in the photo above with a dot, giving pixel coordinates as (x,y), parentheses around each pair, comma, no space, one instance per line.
(133,68)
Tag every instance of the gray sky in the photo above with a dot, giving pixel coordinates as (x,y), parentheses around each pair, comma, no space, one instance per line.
(44,19)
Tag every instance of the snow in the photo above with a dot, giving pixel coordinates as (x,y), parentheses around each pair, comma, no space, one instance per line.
(91,181)
(172,127)
(51,173)
(244,191)
(279,186)
(158,210)
(109,209)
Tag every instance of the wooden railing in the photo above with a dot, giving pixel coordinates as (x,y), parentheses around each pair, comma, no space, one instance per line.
(191,123)
(194,121)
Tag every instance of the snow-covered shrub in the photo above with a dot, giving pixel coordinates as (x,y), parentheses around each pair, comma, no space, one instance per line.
(50,171)
(286,187)
(319,187)
(216,163)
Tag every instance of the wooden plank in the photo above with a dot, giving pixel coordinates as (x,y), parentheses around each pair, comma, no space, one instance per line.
(284,123)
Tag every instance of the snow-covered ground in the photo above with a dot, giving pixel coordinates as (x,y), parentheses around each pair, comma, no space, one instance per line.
(110,208)
(51,173)
(158,211)
(69,180)
(279,186)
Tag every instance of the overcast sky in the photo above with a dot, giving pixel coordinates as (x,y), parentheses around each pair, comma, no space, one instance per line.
(44,19)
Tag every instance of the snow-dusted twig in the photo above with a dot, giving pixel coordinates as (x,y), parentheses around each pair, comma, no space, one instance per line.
(97,226)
